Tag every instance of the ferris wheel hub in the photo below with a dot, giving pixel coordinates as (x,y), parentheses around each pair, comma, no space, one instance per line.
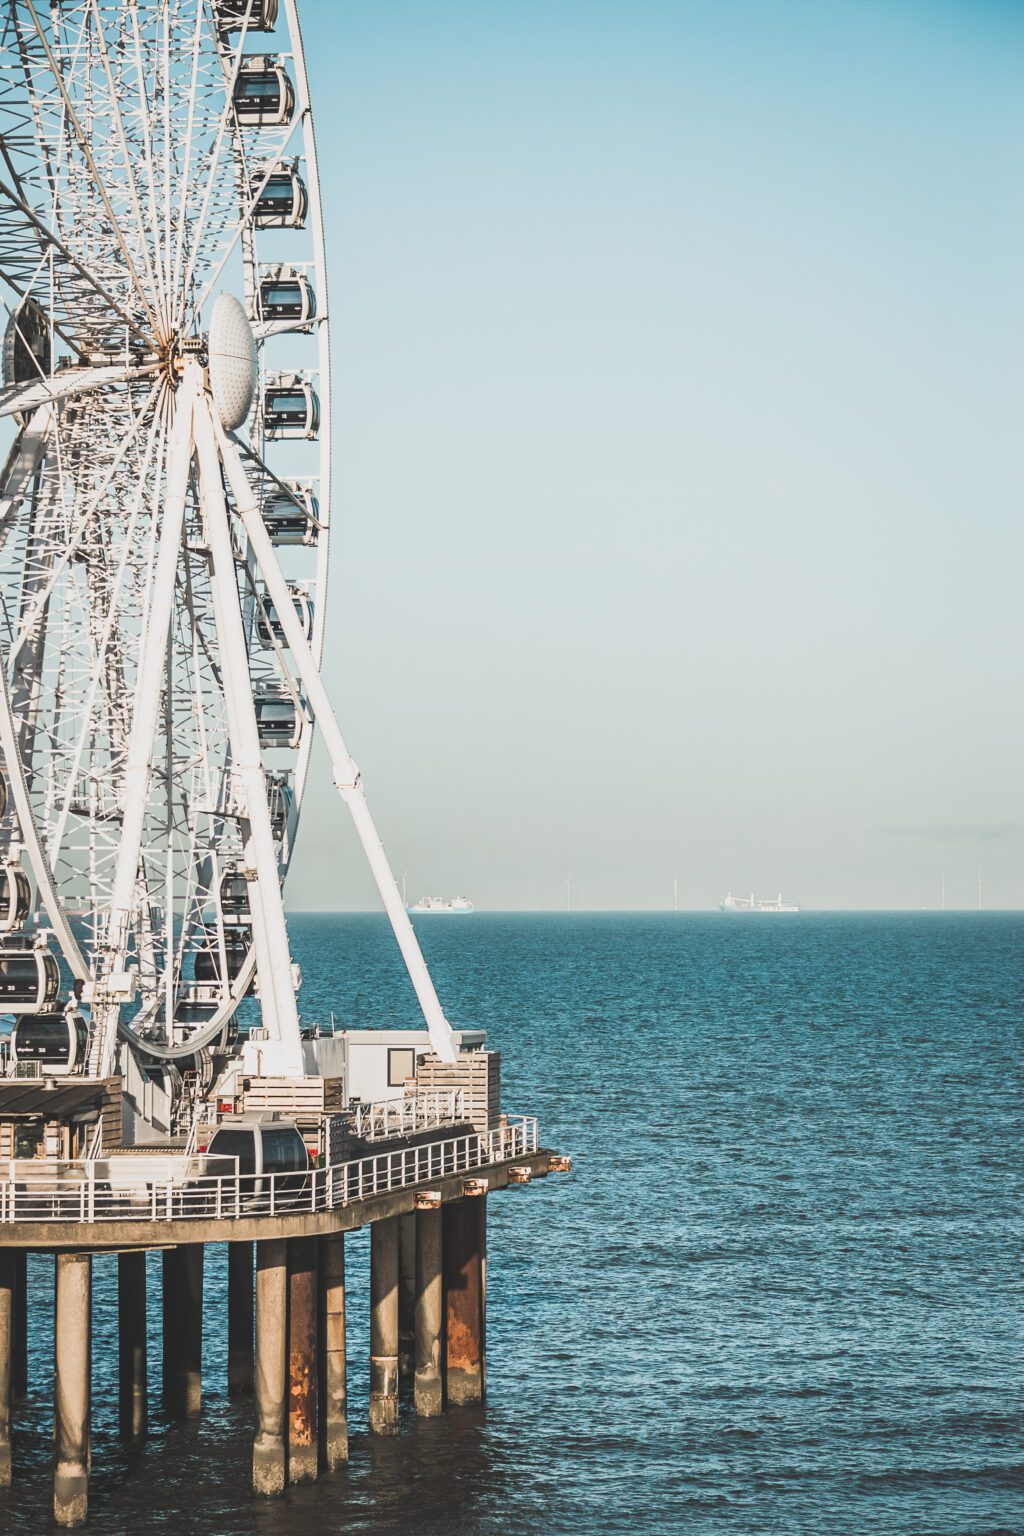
(231,348)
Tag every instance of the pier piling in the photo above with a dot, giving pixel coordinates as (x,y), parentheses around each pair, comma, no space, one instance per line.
(132,1384)
(240,1319)
(183,1330)
(7,1286)
(333,1389)
(384,1326)
(271,1367)
(464,1233)
(303,1446)
(428,1388)
(71,1387)
(406,1297)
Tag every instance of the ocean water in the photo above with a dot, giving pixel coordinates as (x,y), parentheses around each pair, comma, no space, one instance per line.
(778,1293)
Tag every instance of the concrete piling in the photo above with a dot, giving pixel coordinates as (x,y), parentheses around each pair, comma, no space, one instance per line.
(131,1341)
(384,1326)
(183,1330)
(406,1297)
(240,1319)
(428,1387)
(333,1390)
(303,1458)
(464,1237)
(71,1387)
(271,1367)
(7,1286)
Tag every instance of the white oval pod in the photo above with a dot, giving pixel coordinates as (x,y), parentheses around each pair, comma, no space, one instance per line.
(232,352)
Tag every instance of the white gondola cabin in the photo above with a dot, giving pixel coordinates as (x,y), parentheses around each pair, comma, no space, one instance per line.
(234,895)
(26,350)
(29,976)
(286,293)
(282,203)
(278,721)
(291,407)
(54,1042)
(254,15)
(263,96)
(208,960)
(268,625)
(280,797)
(15,897)
(292,515)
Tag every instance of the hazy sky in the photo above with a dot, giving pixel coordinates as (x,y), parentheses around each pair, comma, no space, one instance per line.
(679,395)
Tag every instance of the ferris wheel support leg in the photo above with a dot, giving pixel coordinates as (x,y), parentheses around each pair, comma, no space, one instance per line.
(286,1056)
(346,774)
(145,714)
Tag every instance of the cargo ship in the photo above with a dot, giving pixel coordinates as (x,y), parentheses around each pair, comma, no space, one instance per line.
(753,904)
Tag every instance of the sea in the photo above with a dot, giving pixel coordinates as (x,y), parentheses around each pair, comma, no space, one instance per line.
(778,1293)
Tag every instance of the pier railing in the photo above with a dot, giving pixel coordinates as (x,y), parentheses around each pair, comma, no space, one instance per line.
(201,1188)
(402,1117)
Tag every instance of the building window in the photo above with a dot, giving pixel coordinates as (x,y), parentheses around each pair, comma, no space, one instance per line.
(401,1064)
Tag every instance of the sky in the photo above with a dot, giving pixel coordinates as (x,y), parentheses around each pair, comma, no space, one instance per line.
(678,387)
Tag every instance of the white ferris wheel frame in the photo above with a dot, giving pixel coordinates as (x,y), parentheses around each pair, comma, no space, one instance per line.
(187,438)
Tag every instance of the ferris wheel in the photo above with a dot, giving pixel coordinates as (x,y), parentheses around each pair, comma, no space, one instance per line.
(164,525)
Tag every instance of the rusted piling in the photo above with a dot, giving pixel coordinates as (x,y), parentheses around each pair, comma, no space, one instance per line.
(302,1360)
(464,1237)
(271,1369)
(428,1386)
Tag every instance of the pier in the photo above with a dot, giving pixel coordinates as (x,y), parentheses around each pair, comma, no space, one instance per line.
(426,1207)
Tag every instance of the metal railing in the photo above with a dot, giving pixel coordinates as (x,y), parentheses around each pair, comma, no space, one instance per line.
(401,1117)
(177,1188)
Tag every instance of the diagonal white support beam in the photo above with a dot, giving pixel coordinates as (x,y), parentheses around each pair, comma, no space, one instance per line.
(346,774)
(270,931)
(145,714)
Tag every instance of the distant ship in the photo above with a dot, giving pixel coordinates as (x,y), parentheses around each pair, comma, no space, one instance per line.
(752,904)
(448,906)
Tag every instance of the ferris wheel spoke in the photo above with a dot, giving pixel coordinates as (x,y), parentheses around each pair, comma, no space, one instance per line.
(156,287)
(98,181)
(214,159)
(244,222)
(50,240)
(108,632)
(77,532)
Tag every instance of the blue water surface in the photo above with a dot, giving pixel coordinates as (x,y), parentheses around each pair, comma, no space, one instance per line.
(778,1293)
